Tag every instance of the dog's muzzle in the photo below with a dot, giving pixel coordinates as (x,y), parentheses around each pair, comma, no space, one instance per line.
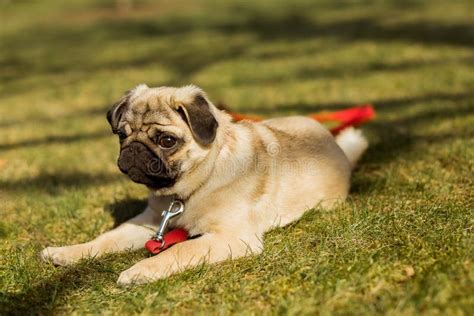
(143,166)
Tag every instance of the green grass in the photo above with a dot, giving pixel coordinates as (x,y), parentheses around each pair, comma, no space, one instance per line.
(402,244)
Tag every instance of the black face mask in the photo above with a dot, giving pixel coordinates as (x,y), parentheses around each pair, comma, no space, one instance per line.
(142,166)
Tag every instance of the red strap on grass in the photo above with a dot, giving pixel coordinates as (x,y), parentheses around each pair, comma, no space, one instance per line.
(349,117)
(172,237)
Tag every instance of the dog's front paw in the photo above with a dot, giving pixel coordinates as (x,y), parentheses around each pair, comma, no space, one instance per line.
(62,256)
(140,273)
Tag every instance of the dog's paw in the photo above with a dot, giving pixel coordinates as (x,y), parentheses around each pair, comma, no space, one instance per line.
(61,256)
(139,274)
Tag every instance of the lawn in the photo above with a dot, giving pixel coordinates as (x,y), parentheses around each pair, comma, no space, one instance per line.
(402,244)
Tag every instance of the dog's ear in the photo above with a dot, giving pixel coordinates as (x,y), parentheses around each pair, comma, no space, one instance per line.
(116,111)
(197,114)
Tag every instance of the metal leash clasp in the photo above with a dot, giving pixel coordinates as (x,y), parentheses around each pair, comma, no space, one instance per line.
(176,208)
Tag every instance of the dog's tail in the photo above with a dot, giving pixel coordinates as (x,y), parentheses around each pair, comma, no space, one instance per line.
(353,144)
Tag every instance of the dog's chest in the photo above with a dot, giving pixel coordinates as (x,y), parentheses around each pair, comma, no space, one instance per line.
(202,217)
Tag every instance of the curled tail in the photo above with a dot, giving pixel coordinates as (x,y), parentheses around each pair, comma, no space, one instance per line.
(352,143)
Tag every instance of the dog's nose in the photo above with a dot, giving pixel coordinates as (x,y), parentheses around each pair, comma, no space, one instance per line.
(136,148)
(133,156)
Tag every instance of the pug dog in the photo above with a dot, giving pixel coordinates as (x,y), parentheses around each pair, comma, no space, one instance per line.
(237,180)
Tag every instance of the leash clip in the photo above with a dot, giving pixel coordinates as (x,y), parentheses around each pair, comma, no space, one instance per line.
(176,208)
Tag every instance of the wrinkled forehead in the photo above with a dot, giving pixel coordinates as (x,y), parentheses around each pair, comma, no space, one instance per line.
(151,106)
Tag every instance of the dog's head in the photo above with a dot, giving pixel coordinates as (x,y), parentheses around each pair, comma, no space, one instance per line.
(164,133)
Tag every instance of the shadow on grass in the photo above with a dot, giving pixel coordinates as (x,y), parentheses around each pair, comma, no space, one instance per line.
(381,106)
(55,183)
(56,139)
(328,72)
(185,56)
(45,296)
(121,211)
(399,137)
(393,144)
(38,120)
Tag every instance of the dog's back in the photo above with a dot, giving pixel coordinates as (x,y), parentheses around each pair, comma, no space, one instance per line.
(309,168)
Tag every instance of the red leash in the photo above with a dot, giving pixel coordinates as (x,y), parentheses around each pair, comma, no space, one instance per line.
(354,116)
(350,117)
(345,118)
(174,236)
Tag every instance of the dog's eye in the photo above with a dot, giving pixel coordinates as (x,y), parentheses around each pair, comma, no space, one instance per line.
(166,141)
